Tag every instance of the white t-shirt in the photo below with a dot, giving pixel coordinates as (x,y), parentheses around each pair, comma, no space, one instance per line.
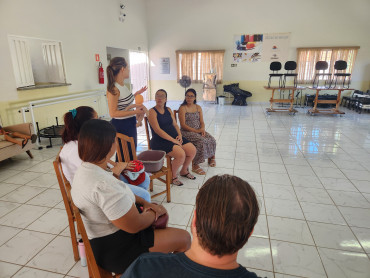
(70,159)
(125,99)
(101,198)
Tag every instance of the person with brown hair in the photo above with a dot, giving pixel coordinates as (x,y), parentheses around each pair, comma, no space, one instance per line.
(73,121)
(117,232)
(166,136)
(120,99)
(193,129)
(226,212)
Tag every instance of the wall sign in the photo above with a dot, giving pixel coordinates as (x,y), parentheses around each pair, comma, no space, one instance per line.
(165,65)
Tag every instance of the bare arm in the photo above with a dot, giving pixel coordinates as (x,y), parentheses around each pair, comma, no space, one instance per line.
(202,125)
(184,126)
(133,221)
(112,106)
(157,129)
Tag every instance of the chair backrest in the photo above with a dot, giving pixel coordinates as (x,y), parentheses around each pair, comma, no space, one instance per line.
(146,124)
(125,140)
(64,185)
(94,270)
(321,65)
(175,112)
(275,66)
(290,65)
(340,65)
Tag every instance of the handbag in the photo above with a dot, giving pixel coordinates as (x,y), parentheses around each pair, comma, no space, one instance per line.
(161,222)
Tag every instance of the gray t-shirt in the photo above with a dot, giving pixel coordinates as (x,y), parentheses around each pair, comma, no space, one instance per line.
(101,198)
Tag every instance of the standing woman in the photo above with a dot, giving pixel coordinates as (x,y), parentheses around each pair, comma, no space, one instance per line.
(193,129)
(120,99)
(167,137)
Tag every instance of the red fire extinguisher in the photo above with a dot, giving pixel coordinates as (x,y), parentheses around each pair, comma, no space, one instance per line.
(101,73)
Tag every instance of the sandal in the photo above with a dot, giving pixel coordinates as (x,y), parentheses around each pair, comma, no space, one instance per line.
(24,143)
(176,181)
(198,170)
(188,176)
(212,162)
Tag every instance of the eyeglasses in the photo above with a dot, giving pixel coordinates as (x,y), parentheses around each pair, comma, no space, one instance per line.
(190,96)
(160,96)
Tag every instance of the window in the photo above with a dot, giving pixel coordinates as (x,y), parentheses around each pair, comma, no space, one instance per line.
(196,63)
(36,61)
(307,58)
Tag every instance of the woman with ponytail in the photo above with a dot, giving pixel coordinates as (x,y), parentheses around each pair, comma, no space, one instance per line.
(73,121)
(120,99)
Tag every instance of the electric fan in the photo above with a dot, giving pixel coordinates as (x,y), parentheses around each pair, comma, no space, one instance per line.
(185,81)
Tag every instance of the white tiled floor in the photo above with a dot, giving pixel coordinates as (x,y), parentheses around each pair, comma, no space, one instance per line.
(312,176)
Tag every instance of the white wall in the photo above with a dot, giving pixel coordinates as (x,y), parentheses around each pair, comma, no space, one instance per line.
(85,28)
(211,24)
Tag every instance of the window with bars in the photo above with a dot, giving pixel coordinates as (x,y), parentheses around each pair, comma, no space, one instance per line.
(308,57)
(195,63)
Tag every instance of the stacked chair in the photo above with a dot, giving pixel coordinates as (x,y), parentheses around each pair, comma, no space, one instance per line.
(320,68)
(275,67)
(339,67)
(290,67)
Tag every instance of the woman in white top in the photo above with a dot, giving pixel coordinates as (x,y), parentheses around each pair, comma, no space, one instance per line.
(118,233)
(120,98)
(73,121)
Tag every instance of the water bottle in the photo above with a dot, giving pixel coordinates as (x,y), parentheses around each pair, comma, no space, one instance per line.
(81,250)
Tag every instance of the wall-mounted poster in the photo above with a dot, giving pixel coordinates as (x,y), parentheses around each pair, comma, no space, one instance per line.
(247,48)
(256,47)
(165,65)
(276,47)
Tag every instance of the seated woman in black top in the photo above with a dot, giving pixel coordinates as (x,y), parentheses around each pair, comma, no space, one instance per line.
(166,136)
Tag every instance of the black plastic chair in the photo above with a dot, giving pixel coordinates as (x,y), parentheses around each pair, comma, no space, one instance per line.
(275,67)
(290,67)
(321,66)
(341,65)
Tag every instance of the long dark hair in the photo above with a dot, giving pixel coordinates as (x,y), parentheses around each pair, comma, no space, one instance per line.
(95,140)
(72,125)
(190,90)
(115,65)
(164,91)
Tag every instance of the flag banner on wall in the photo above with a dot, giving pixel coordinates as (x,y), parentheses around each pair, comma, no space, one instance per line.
(261,47)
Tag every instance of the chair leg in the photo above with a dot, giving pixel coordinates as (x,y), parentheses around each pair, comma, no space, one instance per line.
(314,82)
(74,240)
(336,80)
(29,154)
(168,185)
(151,186)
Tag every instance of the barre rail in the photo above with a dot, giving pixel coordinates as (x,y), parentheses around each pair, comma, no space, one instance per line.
(51,101)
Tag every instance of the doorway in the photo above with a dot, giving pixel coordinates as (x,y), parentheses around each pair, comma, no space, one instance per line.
(139,72)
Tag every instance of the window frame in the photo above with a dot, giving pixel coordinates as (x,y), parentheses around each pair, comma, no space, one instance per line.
(198,67)
(311,55)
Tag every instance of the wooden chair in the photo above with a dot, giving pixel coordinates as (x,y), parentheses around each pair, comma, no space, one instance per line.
(176,112)
(64,185)
(165,171)
(95,271)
